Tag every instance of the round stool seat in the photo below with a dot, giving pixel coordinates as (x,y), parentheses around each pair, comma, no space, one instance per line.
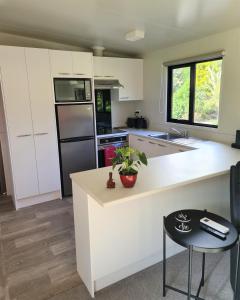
(184,228)
(199,239)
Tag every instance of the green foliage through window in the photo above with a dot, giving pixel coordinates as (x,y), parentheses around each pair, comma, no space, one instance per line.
(194,92)
(180,94)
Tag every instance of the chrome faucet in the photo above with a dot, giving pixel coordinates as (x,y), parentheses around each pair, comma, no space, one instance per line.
(181,133)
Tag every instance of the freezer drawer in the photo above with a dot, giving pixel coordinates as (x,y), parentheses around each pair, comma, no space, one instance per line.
(75,120)
(76,157)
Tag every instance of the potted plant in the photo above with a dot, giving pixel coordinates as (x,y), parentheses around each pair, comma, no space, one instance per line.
(128,161)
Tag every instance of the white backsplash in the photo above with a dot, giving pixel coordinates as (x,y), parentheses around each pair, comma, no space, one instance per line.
(121,110)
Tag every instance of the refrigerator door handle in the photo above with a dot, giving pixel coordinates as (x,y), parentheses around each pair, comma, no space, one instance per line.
(77,139)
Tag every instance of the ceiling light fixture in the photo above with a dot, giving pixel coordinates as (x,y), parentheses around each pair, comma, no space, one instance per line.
(135,35)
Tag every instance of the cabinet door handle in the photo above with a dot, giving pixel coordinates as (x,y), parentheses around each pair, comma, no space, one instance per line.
(122,98)
(63,73)
(140,140)
(109,76)
(152,143)
(79,74)
(98,76)
(161,145)
(41,133)
(23,135)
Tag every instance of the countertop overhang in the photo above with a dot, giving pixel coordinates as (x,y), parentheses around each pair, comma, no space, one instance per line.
(166,172)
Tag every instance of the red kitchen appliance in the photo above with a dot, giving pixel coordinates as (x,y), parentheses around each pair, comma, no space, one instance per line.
(109,154)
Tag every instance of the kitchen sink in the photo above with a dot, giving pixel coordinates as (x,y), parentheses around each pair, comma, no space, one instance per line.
(167,136)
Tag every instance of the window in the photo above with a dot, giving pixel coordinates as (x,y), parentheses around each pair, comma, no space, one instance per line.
(194,92)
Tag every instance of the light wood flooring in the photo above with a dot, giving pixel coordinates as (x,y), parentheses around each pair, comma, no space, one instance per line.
(37,250)
(37,262)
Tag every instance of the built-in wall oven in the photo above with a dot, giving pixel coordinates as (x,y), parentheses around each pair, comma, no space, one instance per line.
(107,146)
(72,90)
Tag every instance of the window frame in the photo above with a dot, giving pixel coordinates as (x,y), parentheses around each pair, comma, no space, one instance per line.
(190,120)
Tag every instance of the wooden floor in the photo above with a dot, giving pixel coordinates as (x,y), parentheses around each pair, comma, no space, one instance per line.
(37,262)
(37,251)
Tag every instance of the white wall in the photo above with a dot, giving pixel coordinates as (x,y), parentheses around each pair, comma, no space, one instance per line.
(121,110)
(23,41)
(154,105)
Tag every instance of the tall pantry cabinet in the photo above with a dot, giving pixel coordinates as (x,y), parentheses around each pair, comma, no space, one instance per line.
(29,111)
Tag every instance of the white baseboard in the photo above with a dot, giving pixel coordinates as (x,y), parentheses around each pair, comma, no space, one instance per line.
(134,268)
(37,199)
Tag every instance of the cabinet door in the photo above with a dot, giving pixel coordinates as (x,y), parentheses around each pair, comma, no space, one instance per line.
(19,121)
(47,163)
(24,166)
(140,144)
(15,90)
(44,124)
(61,63)
(131,77)
(82,64)
(105,67)
(162,148)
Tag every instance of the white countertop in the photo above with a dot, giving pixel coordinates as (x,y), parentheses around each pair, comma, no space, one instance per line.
(210,159)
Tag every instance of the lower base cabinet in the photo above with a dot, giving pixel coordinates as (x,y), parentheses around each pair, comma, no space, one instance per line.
(24,171)
(154,148)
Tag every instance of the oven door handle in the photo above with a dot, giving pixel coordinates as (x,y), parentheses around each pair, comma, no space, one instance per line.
(117,145)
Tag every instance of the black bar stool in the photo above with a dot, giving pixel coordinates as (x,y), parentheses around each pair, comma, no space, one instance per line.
(196,239)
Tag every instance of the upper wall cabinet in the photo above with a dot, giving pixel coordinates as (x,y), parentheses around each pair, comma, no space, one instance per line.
(15,89)
(128,71)
(71,64)
(104,67)
(82,63)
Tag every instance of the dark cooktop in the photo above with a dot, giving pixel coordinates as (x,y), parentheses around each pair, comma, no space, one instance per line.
(102,131)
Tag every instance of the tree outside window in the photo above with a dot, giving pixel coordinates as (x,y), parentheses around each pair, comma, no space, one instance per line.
(194,92)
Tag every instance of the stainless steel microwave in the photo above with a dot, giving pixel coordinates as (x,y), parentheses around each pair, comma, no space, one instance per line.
(72,90)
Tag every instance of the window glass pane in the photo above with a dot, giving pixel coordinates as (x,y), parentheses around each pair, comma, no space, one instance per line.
(108,105)
(207,92)
(99,102)
(180,93)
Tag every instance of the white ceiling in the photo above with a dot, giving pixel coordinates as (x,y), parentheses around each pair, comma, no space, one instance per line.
(105,22)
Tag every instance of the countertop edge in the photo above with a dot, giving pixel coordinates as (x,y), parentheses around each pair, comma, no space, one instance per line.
(148,193)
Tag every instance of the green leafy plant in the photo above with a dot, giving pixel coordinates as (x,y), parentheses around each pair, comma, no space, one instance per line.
(128,160)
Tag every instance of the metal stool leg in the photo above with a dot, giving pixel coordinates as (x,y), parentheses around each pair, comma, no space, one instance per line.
(203,275)
(190,252)
(164,260)
(203,269)
(236,289)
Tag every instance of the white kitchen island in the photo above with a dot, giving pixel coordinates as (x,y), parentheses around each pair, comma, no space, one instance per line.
(119,232)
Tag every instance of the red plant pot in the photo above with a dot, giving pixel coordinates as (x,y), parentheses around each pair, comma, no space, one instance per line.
(128,181)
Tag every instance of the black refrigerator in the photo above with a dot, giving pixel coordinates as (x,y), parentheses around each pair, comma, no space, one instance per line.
(76,141)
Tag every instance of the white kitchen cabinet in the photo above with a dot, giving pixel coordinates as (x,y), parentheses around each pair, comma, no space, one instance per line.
(24,167)
(14,81)
(131,77)
(105,67)
(71,64)
(15,89)
(61,63)
(153,148)
(43,115)
(82,64)
(128,71)
(27,90)
(139,143)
